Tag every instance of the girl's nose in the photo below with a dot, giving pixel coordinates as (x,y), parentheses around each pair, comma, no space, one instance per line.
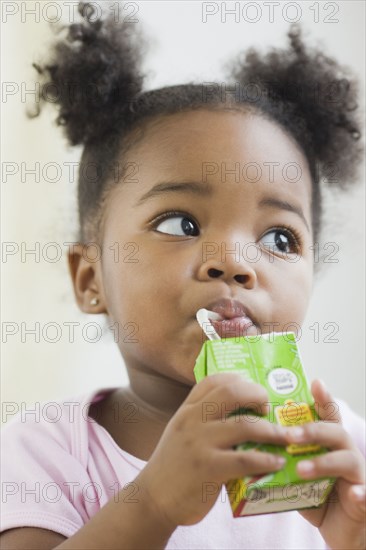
(242,272)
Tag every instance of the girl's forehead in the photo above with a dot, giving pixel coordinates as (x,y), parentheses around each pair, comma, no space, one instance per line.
(219,147)
(227,159)
(202,136)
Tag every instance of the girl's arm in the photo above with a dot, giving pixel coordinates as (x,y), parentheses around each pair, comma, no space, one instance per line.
(124,524)
(194,448)
(119,524)
(22,538)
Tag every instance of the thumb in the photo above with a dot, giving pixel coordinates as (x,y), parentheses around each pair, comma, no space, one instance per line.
(325,405)
(357,502)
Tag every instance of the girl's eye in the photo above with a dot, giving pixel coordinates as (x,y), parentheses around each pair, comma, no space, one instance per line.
(281,240)
(177,224)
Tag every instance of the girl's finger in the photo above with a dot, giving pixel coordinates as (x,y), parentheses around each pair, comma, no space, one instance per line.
(226,390)
(357,495)
(327,434)
(326,406)
(229,465)
(231,395)
(239,429)
(346,464)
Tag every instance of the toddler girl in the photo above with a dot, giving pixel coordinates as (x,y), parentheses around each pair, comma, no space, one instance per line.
(196,180)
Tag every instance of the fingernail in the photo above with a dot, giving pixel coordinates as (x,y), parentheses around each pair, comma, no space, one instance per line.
(280,461)
(324,387)
(359,491)
(305,467)
(296,433)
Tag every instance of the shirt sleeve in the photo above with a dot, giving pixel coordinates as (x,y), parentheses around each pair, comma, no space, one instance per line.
(41,481)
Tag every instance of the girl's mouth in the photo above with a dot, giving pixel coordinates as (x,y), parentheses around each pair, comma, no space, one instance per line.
(235,327)
(230,318)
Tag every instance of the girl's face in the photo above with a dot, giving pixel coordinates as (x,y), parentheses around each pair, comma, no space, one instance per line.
(207,217)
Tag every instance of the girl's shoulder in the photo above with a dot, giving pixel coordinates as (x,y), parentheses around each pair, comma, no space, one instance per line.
(46,425)
(58,466)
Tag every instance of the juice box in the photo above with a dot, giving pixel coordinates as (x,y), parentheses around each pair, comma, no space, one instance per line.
(273,361)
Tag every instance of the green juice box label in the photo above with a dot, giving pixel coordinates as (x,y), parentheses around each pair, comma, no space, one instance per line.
(273,361)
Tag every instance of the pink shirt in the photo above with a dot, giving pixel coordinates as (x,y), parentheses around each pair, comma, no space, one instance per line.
(59,467)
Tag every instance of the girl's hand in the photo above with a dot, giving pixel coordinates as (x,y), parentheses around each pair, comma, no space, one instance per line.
(341,520)
(194,456)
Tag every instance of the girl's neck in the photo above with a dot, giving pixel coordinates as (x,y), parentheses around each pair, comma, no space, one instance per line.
(136,416)
(158,396)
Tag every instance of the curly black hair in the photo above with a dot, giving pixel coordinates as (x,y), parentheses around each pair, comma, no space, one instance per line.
(94,75)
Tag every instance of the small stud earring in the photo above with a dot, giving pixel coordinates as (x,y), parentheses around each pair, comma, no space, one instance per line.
(94,302)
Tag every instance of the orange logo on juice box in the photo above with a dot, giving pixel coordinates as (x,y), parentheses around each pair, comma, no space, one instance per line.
(296,414)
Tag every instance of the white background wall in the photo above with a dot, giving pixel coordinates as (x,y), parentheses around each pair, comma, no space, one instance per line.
(182,48)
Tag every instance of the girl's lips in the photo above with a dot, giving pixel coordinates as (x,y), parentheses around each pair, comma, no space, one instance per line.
(228,308)
(238,326)
(231,318)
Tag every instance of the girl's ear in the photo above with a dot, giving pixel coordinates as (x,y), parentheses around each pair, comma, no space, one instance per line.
(86,280)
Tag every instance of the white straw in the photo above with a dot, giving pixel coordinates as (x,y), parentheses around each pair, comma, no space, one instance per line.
(203,317)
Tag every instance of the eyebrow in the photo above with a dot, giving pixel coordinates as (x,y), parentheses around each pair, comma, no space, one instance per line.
(205,189)
(193,187)
(272,202)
